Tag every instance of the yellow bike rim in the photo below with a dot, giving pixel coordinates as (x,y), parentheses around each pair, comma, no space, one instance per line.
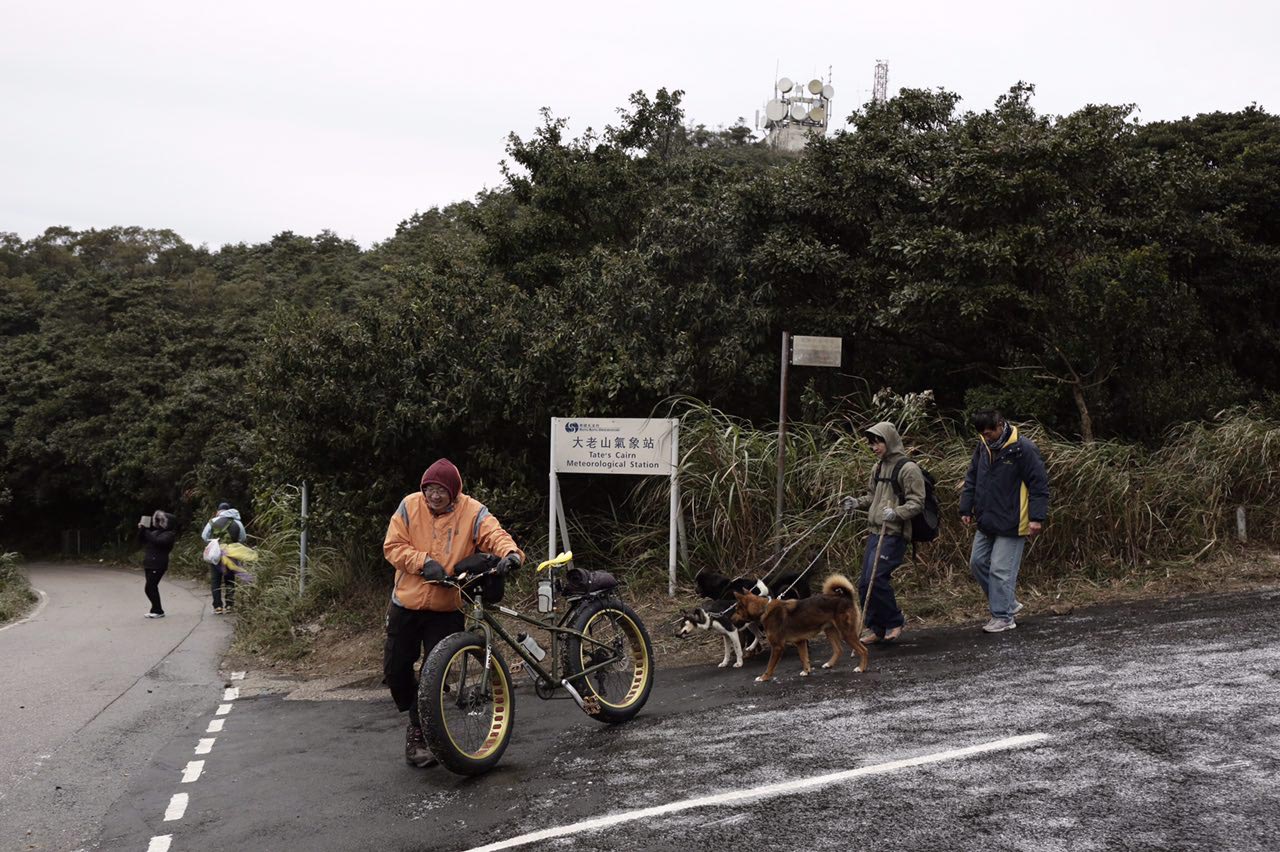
(465,666)
(604,627)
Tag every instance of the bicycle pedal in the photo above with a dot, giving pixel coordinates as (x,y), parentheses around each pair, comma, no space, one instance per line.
(591,706)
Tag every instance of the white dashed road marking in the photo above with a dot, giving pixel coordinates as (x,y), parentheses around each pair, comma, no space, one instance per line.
(177,807)
(782,789)
(178,804)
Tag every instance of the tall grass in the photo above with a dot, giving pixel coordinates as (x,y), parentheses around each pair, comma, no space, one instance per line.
(273,610)
(16,597)
(1115,507)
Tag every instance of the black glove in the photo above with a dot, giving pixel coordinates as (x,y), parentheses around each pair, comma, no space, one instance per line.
(432,570)
(509,563)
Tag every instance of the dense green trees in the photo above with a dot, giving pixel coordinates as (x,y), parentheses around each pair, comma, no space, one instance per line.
(1106,277)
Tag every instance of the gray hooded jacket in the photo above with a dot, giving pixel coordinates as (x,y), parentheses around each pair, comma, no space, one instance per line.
(880,488)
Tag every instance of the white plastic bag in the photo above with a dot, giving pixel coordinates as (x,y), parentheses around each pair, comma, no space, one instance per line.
(213,552)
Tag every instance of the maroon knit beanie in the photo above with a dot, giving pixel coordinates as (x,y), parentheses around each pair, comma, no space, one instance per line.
(443,473)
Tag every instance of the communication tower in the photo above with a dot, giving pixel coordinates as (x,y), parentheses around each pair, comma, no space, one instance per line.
(880,91)
(797,113)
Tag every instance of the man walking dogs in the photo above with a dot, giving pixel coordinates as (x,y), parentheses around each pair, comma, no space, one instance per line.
(895,495)
(433,530)
(1006,493)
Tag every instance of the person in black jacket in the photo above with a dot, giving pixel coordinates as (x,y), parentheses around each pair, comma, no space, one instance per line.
(157,540)
(1006,493)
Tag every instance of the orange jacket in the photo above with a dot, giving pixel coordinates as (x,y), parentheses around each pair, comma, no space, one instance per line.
(415,535)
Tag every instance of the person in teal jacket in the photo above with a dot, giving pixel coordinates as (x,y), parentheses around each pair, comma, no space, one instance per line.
(1006,495)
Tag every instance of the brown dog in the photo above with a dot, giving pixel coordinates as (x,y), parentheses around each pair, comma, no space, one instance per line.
(834,612)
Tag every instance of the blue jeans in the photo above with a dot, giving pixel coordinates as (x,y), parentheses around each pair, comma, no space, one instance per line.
(882,609)
(994,561)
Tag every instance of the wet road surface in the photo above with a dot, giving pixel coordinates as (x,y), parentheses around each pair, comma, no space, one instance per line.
(1162,726)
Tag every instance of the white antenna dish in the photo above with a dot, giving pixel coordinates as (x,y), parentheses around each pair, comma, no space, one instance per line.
(785,85)
(815,86)
(798,111)
(775,110)
(828,91)
(818,114)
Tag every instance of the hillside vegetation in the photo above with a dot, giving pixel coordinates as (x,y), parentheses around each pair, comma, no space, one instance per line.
(1113,283)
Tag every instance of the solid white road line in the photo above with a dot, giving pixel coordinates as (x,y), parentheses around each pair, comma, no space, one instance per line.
(231,693)
(177,807)
(782,789)
(205,745)
(215,725)
(160,843)
(193,770)
(223,709)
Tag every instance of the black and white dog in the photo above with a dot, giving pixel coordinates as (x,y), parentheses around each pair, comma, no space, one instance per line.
(715,614)
(717,619)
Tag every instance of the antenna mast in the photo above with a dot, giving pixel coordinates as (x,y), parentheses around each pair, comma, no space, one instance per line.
(880,91)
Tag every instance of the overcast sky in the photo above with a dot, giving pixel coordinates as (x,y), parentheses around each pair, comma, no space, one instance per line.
(234,121)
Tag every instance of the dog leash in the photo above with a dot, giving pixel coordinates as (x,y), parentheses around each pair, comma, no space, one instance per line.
(778,559)
(817,556)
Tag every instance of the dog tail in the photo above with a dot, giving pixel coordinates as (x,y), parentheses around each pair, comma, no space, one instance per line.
(838,584)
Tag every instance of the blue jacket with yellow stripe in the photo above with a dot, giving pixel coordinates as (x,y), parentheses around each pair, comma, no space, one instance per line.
(1007,488)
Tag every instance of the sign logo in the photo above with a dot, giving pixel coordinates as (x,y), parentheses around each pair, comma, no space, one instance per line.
(571,427)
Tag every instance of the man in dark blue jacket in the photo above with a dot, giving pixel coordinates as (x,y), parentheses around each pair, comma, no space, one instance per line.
(1006,493)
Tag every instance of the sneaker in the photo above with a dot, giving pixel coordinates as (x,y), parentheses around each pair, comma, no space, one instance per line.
(999,625)
(892,634)
(155,615)
(217,610)
(416,752)
(1017,608)
(869,637)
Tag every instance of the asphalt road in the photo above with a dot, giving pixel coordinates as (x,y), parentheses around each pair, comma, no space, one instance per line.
(1158,728)
(89,691)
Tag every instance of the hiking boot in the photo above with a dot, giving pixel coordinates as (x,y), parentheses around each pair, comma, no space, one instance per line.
(999,625)
(1017,608)
(416,752)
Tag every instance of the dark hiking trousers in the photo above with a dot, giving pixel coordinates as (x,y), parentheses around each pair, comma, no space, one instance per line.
(152,588)
(218,578)
(411,634)
(882,610)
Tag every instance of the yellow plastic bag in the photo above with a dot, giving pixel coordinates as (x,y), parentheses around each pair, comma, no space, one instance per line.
(234,557)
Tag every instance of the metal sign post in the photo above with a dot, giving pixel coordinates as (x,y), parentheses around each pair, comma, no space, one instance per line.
(619,446)
(302,543)
(803,352)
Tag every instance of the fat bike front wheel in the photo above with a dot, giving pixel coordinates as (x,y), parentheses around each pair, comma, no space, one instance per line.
(467,715)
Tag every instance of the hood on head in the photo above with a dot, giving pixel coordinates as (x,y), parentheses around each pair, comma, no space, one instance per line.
(164,520)
(886,430)
(445,474)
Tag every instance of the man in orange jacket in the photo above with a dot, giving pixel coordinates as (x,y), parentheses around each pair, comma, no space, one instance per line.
(430,533)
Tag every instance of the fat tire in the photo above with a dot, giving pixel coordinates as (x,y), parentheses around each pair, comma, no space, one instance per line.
(642,685)
(431,698)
